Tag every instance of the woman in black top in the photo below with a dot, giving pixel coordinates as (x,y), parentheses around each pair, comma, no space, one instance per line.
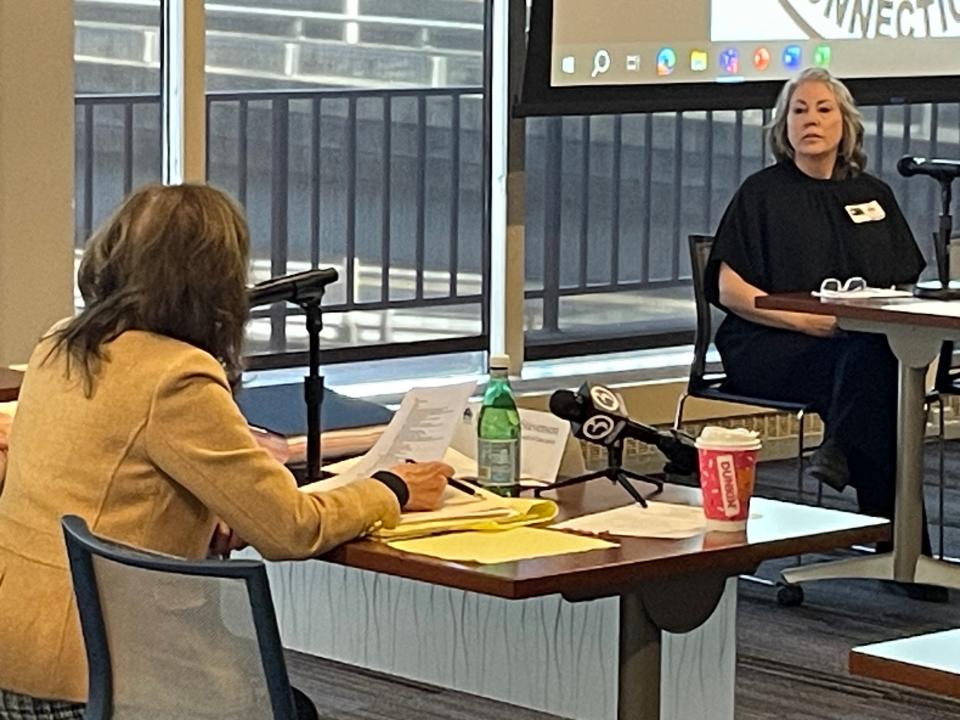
(811,216)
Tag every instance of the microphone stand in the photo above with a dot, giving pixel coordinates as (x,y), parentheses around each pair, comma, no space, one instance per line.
(942,289)
(313,388)
(614,472)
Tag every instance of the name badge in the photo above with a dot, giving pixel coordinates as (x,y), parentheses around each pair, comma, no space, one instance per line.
(865,212)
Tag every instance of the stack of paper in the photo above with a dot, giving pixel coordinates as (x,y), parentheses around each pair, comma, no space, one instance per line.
(483,511)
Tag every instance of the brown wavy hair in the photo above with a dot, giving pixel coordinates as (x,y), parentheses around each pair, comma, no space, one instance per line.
(172,260)
(851,159)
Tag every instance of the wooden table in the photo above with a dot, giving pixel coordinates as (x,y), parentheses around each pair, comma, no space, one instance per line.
(915,339)
(9,384)
(929,662)
(533,654)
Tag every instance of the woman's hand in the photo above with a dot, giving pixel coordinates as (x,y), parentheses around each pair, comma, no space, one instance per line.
(224,541)
(740,297)
(817,325)
(426,482)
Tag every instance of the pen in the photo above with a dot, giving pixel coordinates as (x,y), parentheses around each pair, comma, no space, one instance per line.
(461,485)
(458,484)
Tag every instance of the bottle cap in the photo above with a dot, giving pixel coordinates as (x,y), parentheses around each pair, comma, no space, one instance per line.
(499,362)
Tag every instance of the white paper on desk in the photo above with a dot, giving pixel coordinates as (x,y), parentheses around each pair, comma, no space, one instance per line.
(927,307)
(657,520)
(421,429)
(543,438)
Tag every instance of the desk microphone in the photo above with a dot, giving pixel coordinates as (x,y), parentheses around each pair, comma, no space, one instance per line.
(297,288)
(942,170)
(596,414)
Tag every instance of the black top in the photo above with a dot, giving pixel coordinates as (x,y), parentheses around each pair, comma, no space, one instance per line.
(785,231)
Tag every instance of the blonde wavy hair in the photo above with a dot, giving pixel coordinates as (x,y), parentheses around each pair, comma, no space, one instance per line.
(172,260)
(851,160)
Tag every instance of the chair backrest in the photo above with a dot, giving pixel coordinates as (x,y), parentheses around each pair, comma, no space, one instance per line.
(171,638)
(947,379)
(700,377)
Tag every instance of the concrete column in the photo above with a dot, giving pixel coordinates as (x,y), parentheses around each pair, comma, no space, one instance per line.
(183,92)
(36,172)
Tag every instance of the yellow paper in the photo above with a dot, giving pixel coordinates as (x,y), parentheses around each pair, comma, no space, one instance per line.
(488,548)
(505,514)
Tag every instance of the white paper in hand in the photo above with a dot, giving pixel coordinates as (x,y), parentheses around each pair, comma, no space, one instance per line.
(421,430)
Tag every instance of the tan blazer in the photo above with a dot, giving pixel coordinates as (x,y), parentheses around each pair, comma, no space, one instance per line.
(157,453)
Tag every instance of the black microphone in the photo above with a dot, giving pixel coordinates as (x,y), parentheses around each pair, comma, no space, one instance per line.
(297,288)
(597,415)
(942,170)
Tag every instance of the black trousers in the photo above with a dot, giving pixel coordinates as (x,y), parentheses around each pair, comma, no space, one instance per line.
(850,380)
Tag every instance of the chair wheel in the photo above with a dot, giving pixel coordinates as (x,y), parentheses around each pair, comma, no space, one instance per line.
(789,595)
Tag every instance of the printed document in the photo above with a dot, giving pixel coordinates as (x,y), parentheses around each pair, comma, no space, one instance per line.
(421,429)
(543,440)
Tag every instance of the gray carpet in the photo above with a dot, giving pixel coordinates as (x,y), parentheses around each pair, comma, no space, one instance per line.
(791,661)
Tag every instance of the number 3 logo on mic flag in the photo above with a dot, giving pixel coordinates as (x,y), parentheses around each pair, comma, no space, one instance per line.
(597,427)
(604,398)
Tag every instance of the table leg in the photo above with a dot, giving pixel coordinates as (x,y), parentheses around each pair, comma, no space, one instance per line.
(914,347)
(676,604)
(638,691)
(908,522)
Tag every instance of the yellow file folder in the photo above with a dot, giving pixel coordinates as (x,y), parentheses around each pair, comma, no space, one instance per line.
(497,547)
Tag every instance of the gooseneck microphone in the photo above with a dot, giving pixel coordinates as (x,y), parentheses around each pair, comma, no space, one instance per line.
(306,290)
(299,288)
(942,170)
(596,415)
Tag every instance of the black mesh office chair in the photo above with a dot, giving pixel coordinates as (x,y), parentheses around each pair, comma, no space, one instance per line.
(172,639)
(708,380)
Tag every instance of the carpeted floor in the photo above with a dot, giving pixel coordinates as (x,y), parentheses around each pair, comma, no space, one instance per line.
(791,661)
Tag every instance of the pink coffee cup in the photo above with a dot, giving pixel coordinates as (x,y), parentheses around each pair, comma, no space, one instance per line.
(728,465)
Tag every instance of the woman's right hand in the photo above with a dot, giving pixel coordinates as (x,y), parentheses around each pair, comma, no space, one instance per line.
(426,482)
(817,325)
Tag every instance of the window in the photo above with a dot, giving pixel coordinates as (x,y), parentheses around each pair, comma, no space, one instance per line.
(352,132)
(117,78)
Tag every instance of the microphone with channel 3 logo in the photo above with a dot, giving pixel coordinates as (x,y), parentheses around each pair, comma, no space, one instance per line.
(597,414)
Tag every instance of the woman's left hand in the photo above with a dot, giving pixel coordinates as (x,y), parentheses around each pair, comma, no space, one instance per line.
(224,541)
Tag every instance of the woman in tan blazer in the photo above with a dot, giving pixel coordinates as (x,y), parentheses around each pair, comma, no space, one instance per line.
(126,418)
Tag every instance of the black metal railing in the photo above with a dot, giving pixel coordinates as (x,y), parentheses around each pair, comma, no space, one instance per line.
(117,148)
(388,186)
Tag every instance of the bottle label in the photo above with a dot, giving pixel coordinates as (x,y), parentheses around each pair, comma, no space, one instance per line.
(498,461)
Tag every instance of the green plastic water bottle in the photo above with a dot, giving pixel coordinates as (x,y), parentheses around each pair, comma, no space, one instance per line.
(498,433)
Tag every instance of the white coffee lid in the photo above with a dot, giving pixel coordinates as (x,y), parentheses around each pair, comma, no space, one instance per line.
(714,437)
(499,362)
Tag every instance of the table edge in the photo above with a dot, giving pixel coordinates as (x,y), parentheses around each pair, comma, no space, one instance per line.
(898,672)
